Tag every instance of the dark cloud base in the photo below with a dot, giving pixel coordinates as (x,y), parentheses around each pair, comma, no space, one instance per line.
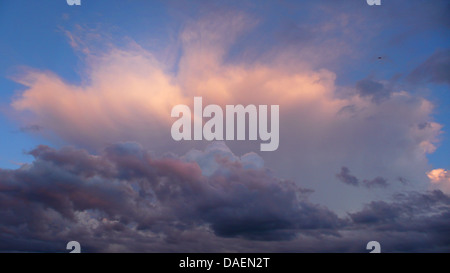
(124,200)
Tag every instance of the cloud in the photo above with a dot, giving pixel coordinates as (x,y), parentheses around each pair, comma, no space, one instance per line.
(209,165)
(410,215)
(69,192)
(126,200)
(435,69)
(376,182)
(33,128)
(127,93)
(345,177)
(141,98)
(375,90)
(440,178)
(145,197)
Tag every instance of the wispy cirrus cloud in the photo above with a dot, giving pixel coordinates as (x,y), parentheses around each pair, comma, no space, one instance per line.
(435,69)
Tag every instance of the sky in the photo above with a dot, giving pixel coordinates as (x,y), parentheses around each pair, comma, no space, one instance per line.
(86,94)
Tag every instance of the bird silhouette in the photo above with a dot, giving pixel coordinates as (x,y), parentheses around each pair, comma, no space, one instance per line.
(382,58)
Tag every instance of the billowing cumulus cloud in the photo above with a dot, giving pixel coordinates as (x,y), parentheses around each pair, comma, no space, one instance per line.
(208,164)
(127,93)
(69,192)
(127,200)
(351,166)
(131,106)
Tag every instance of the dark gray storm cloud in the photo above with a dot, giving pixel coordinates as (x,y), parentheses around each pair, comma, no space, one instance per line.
(126,200)
(126,190)
(346,177)
(376,182)
(414,214)
(414,206)
(436,69)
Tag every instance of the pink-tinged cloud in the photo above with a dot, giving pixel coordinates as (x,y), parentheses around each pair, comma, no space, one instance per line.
(108,107)
(128,93)
(440,178)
